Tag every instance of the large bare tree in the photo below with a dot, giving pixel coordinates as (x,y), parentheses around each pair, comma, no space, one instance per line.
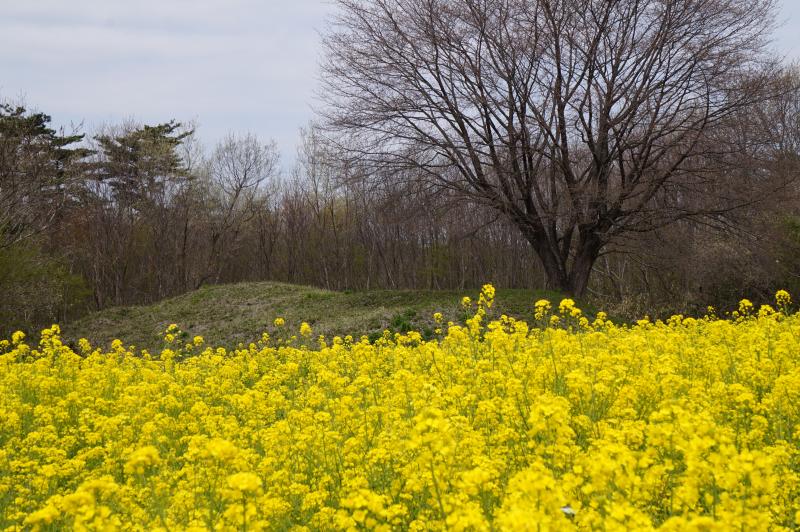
(581,121)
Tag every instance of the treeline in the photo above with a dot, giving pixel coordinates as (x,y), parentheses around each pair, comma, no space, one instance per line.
(135,213)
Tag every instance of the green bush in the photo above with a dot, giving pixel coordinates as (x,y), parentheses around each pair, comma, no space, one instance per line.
(38,290)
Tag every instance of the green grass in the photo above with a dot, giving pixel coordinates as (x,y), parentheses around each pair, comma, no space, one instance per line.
(226,315)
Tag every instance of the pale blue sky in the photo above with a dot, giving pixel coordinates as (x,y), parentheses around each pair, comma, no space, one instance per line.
(231,65)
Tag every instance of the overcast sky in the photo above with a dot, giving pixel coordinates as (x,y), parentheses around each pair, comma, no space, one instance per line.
(230,65)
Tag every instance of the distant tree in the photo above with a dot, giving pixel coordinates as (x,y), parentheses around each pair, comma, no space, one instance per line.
(131,212)
(38,167)
(580,121)
(141,165)
(238,171)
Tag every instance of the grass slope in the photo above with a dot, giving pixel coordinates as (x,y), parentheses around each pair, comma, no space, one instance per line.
(229,314)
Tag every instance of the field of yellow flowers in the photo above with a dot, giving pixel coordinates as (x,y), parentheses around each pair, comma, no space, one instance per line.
(560,424)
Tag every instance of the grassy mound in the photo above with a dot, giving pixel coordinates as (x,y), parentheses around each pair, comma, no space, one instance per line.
(237,313)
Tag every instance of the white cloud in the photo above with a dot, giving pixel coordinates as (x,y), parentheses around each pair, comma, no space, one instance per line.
(230,64)
(234,65)
(787,36)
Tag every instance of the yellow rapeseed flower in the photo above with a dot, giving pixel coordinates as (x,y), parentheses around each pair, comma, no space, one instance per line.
(783,298)
(683,424)
(244,482)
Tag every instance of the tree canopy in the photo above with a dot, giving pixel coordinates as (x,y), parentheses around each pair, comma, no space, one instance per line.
(580,121)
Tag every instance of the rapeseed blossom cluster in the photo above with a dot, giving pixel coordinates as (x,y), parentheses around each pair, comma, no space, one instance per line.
(563,424)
